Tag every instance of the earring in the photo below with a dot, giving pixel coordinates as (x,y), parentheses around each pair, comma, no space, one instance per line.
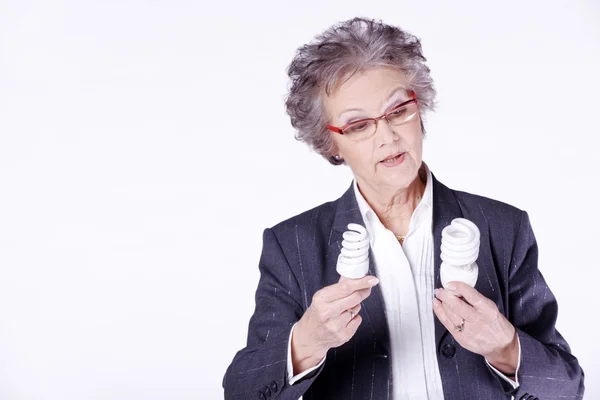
(337,157)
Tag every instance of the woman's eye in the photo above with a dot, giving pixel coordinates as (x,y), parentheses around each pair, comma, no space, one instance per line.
(398,111)
(358,127)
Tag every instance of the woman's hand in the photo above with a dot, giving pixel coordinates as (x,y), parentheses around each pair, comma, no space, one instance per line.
(330,321)
(485,330)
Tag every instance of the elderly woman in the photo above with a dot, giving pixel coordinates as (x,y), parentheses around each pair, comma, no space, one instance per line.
(358,96)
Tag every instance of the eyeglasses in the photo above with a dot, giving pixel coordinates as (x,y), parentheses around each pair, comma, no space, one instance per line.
(365,128)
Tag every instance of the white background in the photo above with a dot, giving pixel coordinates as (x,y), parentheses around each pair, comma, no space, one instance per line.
(144,147)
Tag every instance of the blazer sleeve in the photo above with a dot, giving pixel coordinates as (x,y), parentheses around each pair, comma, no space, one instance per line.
(259,370)
(548,370)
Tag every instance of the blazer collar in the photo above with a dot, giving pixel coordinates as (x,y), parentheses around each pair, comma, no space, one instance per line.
(445,209)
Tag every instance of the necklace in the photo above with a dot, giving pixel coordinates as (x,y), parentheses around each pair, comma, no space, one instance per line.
(400,239)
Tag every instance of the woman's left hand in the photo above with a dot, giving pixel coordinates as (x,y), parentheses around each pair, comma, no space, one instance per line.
(485,330)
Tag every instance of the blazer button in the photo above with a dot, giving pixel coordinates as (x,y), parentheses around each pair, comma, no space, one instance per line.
(273,386)
(266,391)
(448,350)
(260,396)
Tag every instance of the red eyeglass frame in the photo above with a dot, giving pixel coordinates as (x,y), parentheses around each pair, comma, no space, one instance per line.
(413,98)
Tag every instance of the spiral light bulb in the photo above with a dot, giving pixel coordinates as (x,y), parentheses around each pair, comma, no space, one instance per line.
(460,249)
(353,261)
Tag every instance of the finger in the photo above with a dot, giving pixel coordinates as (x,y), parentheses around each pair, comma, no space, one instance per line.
(356,310)
(456,304)
(352,326)
(350,301)
(346,287)
(439,312)
(455,319)
(346,317)
(470,294)
(340,324)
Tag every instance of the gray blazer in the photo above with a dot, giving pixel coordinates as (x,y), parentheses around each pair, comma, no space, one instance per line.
(299,257)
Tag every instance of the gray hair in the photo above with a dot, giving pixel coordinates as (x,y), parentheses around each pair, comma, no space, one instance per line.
(340,52)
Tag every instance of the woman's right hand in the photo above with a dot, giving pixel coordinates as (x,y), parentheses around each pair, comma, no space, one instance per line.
(328,322)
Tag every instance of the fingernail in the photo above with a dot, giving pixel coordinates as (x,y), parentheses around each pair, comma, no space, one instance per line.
(450,286)
(436,291)
(373,281)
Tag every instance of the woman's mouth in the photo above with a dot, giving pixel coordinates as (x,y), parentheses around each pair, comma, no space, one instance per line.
(393,161)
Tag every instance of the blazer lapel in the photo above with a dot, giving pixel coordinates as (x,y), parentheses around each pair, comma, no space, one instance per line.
(445,209)
(373,310)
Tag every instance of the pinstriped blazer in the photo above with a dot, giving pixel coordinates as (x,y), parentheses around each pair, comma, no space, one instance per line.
(299,257)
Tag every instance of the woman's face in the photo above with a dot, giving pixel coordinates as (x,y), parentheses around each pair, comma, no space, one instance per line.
(368,95)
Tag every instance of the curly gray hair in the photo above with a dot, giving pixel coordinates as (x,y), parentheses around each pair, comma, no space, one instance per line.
(337,54)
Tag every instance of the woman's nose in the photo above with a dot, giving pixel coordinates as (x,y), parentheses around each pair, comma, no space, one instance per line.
(385,132)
